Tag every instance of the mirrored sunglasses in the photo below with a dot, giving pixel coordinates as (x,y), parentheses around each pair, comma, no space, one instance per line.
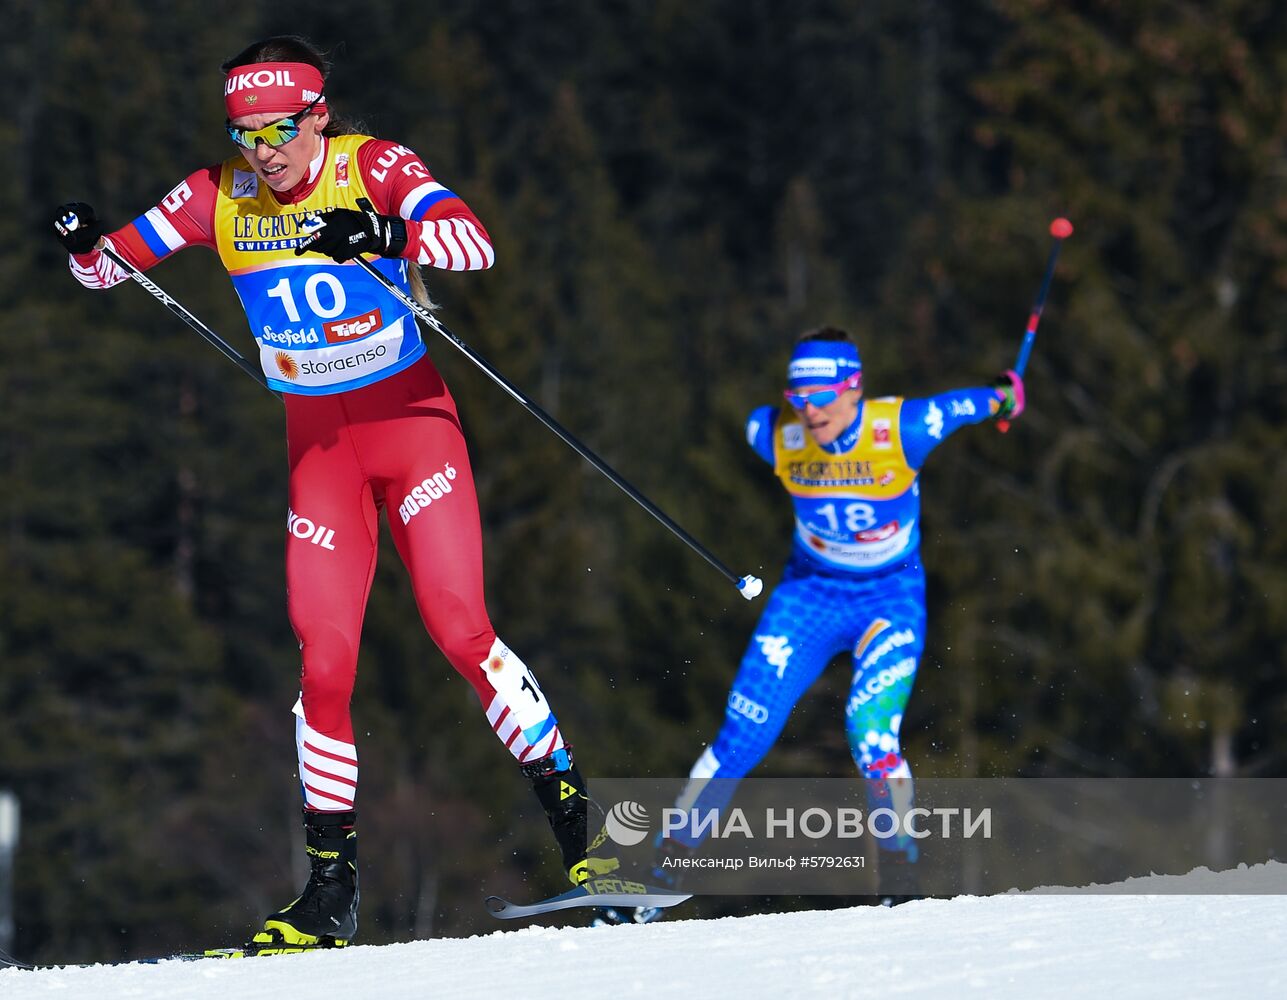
(827,394)
(275,134)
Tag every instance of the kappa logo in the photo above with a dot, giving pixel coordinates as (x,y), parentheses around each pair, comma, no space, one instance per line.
(777,650)
(934,421)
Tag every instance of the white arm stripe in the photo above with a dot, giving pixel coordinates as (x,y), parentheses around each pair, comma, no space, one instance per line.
(464,262)
(168,234)
(103,273)
(414,198)
(433,247)
(479,243)
(455,245)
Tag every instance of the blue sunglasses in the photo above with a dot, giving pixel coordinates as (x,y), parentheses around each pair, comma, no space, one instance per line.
(824,396)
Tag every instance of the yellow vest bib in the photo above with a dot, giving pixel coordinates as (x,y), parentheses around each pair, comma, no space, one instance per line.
(321,327)
(854,510)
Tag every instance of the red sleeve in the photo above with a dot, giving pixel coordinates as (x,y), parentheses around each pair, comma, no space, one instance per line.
(441,230)
(183,218)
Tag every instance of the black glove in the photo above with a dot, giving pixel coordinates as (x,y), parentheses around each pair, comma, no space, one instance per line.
(77,227)
(344,234)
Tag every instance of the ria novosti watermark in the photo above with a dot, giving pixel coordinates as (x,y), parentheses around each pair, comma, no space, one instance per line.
(947,836)
(628,823)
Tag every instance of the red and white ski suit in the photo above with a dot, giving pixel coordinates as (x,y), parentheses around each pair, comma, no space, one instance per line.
(370,425)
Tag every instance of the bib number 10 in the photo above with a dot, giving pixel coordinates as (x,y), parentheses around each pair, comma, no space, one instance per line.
(858,516)
(318,289)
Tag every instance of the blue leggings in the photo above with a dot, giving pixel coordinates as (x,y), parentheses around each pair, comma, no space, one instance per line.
(810,619)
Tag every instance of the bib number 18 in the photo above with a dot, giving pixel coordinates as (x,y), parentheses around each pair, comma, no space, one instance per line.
(858,516)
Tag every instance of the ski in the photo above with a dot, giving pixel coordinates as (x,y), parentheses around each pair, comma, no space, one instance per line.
(262,950)
(7,962)
(602,891)
(10,963)
(245,951)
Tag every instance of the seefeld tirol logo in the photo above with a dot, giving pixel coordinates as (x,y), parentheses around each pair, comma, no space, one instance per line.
(627,823)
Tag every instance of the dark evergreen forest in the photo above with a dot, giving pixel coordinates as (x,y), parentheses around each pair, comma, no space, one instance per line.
(675,190)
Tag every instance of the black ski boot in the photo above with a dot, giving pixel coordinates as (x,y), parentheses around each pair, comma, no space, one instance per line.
(899,879)
(325,914)
(562,794)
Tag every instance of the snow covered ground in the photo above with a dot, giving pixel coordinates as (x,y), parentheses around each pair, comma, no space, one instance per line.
(1016,947)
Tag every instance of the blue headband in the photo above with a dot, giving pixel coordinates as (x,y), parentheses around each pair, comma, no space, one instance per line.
(822,362)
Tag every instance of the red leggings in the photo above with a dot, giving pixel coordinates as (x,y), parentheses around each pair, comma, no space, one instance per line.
(397,445)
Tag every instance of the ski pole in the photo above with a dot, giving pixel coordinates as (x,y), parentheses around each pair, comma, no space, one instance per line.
(748,586)
(1060,229)
(216,341)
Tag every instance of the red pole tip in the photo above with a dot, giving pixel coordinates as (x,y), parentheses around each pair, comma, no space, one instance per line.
(1061,229)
